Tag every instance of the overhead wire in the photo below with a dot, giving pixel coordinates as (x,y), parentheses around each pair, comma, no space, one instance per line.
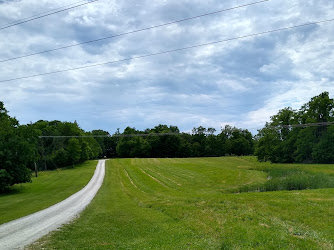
(316,124)
(170,51)
(132,32)
(115,135)
(35,17)
(153,54)
(175,133)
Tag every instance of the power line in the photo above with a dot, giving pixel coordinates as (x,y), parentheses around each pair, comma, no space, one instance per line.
(23,19)
(32,18)
(317,124)
(115,135)
(72,136)
(174,133)
(169,51)
(131,32)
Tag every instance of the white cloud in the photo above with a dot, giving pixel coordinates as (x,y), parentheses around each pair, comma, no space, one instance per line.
(241,82)
(269,68)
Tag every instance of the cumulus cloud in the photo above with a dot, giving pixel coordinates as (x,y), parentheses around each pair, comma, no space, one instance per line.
(241,82)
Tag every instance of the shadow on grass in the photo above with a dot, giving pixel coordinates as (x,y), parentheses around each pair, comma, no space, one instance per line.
(12,190)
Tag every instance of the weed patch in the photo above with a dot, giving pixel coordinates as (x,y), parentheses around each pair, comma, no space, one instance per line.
(280,179)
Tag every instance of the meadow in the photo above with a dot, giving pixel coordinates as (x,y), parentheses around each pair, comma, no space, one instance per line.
(50,187)
(198,203)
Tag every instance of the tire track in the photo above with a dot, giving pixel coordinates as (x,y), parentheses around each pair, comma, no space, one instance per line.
(165,177)
(127,174)
(162,184)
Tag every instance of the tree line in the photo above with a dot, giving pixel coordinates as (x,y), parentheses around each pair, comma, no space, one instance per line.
(278,143)
(22,150)
(47,145)
(25,148)
(202,142)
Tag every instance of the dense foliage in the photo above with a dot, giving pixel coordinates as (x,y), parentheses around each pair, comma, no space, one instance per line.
(201,142)
(66,150)
(23,150)
(312,144)
(16,151)
(46,145)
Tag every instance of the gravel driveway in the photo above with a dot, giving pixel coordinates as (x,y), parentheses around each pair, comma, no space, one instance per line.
(21,232)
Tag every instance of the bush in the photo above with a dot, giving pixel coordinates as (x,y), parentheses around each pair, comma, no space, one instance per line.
(5,179)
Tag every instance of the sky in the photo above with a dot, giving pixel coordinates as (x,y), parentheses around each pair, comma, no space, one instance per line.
(241,82)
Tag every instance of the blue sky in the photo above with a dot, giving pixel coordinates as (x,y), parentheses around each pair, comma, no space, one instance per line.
(241,82)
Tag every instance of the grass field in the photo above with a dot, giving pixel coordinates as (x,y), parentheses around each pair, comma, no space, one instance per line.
(50,187)
(191,204)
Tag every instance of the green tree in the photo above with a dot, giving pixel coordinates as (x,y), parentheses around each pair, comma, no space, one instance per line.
(323,152)
(278,143)
(107,143)
(237,141)
(60,157)
(15,152)
(185,147)
(74,151)
(306,140)
(318,109)
(268,141)
(198,141)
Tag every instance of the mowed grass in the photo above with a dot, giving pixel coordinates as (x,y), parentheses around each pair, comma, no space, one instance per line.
(188,204)
(50,187)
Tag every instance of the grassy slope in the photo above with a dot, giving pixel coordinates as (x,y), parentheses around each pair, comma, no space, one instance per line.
(49,188)
(185,204)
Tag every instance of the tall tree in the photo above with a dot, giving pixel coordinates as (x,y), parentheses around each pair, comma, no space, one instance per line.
(74,150)
(15,152)
(278,143)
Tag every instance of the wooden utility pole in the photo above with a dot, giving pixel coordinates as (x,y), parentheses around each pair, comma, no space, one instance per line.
(35,169)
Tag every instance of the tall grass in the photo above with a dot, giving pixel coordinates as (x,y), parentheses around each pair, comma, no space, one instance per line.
(280,178)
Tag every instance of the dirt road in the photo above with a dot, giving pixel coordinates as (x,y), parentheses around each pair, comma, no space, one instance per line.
(21,232)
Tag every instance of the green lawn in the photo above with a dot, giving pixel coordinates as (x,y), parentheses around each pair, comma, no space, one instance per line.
(50,187)
(189,204)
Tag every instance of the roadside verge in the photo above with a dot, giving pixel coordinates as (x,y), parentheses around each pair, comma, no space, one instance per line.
(24,231)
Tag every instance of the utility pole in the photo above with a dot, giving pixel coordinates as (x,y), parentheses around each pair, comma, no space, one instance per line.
(35,169)
(35,162)
(43,152)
